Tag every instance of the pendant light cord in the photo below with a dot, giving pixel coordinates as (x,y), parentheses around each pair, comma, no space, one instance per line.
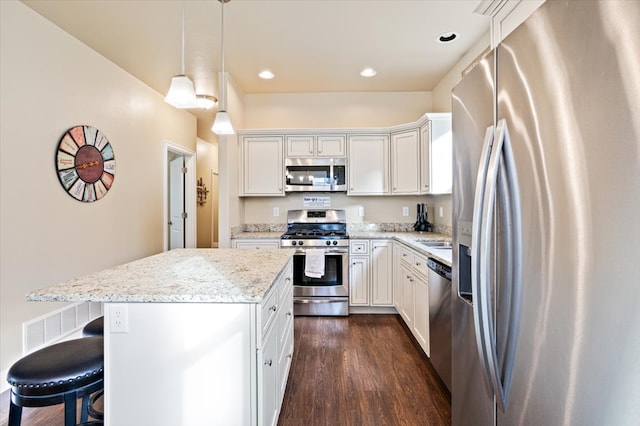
(183,37)
(223,89)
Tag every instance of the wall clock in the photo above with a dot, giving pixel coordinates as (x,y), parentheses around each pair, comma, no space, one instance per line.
(86,164)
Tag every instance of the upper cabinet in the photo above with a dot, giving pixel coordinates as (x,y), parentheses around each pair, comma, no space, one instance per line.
(409,159)
(309,146)
(262,166)
(368,165)
(405,162)
(436,154)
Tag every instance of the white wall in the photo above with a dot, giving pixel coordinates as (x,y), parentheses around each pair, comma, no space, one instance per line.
(50,82)
(330,110)
(442,103)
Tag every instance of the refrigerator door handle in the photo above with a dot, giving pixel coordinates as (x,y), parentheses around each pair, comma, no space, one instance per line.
(499,376)
(478,299)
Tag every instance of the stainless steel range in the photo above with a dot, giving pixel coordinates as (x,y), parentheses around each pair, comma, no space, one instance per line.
(320,240)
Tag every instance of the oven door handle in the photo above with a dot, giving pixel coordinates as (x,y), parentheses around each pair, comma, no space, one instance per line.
(301,252)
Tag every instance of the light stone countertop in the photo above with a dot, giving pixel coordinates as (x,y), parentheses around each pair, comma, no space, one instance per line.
(178,276)
(411,239)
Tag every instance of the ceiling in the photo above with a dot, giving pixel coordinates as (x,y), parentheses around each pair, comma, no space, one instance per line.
(310,45)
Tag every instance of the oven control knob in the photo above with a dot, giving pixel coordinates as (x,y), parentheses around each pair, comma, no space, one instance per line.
(328,242)
(335,243)
(300,243)
(293,243)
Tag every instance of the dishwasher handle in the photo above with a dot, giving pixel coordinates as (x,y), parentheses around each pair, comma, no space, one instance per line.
(439,268)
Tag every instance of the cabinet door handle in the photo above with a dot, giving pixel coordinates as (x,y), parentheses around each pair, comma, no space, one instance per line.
(268,362)
(273,308)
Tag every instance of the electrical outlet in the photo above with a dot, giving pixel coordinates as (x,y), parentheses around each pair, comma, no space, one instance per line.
(440,211)
(405,211)
(361,211)
(276,212)
(119,318)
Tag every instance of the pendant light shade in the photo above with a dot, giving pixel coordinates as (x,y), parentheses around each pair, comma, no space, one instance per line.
(222,123)
(181,92)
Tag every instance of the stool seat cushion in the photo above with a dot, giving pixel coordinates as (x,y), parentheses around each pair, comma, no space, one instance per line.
(94,328)
(58,368)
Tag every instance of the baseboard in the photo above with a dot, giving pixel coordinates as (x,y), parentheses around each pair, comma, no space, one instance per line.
(372,310)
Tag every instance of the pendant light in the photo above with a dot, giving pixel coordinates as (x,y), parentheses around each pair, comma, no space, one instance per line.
(181,93)
(222,123)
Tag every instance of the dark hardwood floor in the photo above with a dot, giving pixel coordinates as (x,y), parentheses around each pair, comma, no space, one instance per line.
(361,370)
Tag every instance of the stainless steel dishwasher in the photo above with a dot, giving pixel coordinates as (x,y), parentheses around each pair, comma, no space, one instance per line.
(440,318)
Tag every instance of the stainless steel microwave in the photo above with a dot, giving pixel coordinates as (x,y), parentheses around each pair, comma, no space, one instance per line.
(316,175)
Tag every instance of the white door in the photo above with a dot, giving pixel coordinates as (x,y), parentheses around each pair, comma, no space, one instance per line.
(176,203)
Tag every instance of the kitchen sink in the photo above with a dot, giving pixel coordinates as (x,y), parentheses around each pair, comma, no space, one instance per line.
(436,244)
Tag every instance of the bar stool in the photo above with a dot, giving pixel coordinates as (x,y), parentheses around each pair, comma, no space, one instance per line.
(95,328)
(59,373)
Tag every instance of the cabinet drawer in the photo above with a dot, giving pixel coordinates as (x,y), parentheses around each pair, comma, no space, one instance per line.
(420,264)
(359,247)
(256,244)
(407,255)
(269,308)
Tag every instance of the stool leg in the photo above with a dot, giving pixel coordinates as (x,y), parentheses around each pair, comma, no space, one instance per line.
(15,414)
(70,409)
(84,410)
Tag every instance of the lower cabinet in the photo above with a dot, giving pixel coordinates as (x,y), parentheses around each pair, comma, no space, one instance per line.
(268,400)
(413,301)
(371,273)
(275,350)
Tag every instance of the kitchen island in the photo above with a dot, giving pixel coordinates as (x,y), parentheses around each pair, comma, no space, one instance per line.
(192,336)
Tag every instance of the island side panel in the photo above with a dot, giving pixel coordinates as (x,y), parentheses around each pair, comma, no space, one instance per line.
(180,364)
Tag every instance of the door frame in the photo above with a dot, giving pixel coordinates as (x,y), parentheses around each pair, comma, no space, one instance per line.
(189,194)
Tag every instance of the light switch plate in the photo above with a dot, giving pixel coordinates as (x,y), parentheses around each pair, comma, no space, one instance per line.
(405,211)
(276,211)
(361,211)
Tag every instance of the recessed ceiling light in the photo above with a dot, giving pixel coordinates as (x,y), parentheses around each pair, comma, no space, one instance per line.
(368,72)
(266,75)
(447,37)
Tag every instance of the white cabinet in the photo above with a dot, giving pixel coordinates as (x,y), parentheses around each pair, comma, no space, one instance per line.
(359,279)
(256,244)
(421,311)
(405,162)
(371,273)
(368,164)
(381,273)
(275,349)
(262,166)
(306,146)
(413,301)
(268,378)
(425,158)
(436,155)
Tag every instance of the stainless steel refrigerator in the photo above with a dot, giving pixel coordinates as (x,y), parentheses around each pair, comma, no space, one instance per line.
(546,205)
